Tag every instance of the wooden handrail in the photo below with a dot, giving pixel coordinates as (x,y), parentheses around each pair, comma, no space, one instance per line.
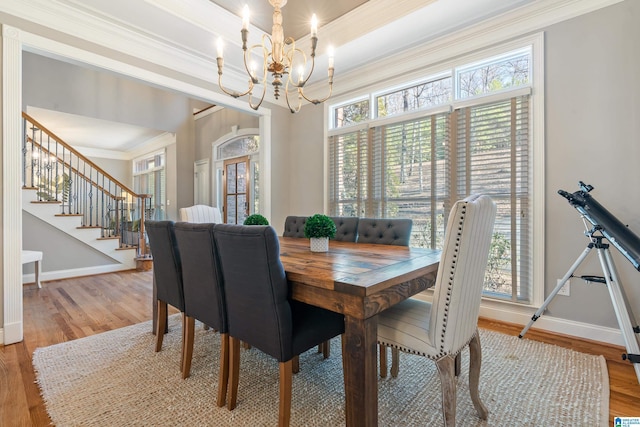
(77,172)
(74,151)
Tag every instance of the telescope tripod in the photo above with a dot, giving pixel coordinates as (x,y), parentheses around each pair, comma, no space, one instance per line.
(628,325)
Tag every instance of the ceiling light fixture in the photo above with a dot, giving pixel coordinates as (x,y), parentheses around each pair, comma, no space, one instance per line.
(280,57)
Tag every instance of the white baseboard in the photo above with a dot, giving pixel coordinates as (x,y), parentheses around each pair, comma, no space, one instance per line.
(77,272)
(12,333)
(521,315)
(507,313)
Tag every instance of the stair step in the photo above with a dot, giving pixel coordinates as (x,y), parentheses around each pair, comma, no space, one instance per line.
(125,248)
(61,214)
(85,226)
(107,238)
(46,202)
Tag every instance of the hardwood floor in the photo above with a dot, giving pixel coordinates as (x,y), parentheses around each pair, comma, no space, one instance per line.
(65,310)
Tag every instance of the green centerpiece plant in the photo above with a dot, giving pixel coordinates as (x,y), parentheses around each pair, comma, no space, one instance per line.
(319,229)
(255,219)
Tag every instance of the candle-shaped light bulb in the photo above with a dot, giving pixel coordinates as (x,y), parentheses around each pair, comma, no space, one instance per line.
(220,47)
(300,73)
(252,69)
(245,17)
(330,53)
(314,25)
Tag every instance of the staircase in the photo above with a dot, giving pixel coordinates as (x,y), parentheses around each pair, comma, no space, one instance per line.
(75,196)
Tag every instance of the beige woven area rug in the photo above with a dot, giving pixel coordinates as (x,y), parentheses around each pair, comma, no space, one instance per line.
(116,379)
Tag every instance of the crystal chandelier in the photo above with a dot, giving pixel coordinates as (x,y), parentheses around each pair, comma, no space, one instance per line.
(279,58)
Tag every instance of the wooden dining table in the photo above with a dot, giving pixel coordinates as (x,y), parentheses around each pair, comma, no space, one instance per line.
(358,280)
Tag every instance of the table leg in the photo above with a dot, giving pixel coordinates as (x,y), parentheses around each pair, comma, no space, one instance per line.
(359,359)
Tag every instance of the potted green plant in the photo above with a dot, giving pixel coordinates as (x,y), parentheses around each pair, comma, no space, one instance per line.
(319,229)
(255,219)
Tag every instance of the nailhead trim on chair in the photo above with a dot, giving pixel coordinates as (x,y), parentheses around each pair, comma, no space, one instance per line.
(451,277)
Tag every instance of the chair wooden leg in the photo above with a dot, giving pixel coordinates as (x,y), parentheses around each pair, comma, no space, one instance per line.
(475,361)
(184,340)
(458,368)
(187,354)
(383,360)
(395,362)
(161,324)
(446,369)
(326,349)
(234,371)
(284,413)
(295,365)
(223,374)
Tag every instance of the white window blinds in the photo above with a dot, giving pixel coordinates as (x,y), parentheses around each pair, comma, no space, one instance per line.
(492,157)
(418,168)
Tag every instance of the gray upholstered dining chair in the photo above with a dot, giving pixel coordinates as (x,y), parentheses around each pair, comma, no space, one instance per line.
(294,226)
(167,275)
(442,329)
(385,231)
(203,295)
(260,310)
(346,228)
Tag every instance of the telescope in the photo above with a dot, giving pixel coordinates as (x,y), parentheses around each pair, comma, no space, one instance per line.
(605,227)
(618,234)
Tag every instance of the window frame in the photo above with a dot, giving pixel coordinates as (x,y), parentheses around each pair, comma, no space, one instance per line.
(535,87)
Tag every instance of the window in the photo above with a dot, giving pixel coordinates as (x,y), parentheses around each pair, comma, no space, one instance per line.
(503,72)
(420,96)
(349,114)
(149,178)
(437,141)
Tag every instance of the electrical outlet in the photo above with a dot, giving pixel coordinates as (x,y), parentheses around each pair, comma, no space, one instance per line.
(566,289)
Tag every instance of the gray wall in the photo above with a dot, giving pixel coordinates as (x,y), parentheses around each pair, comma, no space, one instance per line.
(37,235)
(119,169)
(592,134)
(306,172)
(60,86)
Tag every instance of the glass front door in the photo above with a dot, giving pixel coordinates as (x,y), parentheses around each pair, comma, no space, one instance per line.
(236,190)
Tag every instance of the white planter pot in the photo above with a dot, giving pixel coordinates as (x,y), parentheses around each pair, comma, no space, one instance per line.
(320,244)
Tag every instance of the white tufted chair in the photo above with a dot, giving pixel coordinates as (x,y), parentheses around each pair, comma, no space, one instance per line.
(201,214)
(440,330)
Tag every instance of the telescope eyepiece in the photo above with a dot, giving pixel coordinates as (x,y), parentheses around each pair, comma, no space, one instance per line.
(585,187)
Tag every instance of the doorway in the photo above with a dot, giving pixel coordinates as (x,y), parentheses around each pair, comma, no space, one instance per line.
(201,191)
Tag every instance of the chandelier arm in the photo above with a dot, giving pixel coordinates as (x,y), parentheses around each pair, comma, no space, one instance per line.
(264,91)
(233,93)
(247,54)
(317,101)
(286,97)
(304,59)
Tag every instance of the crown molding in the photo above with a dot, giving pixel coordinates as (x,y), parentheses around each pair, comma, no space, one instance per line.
(72,18)
(516,23)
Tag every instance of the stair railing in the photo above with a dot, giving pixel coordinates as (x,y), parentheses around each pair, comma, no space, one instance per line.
(62,175)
